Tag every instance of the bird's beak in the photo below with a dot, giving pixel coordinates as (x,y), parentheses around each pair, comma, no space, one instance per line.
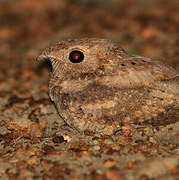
(42,57)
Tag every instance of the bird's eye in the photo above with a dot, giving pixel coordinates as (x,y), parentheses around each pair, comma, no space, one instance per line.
(76,56)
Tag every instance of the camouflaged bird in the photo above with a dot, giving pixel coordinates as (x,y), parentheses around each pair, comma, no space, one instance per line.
(97,86)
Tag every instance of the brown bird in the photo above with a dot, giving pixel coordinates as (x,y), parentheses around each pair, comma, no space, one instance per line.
(97,86)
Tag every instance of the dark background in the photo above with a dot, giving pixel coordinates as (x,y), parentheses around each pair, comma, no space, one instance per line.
(145,27)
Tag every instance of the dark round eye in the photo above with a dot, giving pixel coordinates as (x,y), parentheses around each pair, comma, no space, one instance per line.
(76,56)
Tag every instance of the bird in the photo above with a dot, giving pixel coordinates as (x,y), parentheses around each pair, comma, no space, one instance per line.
(97,86)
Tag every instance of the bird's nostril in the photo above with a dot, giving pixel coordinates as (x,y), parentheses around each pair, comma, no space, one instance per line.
(38,58)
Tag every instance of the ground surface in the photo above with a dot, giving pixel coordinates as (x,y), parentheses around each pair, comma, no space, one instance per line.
(31,141)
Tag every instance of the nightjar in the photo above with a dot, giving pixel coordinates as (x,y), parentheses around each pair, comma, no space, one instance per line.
(97,86)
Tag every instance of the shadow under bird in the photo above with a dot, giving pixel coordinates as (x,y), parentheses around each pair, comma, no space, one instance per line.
(97,86)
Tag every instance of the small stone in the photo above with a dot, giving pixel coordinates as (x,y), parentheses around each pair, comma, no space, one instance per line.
(109,163)
(59,139)
(113,174)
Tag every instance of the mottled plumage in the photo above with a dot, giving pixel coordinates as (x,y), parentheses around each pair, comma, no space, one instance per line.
(108,87)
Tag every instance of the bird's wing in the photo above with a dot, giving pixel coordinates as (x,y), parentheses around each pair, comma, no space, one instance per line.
(137,71)
(158,70)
